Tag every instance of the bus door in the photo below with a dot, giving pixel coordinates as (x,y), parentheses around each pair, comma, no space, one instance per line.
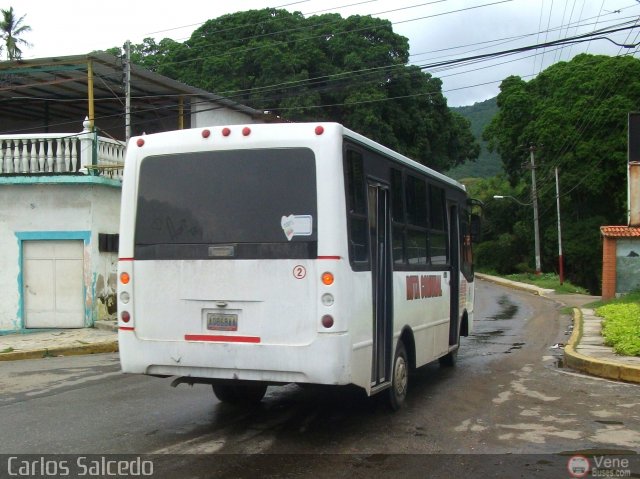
(454,255)
(382,280)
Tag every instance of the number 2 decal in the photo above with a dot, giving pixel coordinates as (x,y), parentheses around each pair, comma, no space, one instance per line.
(299,272)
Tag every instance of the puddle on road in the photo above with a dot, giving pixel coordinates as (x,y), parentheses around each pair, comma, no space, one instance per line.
(508,310)
(484,335)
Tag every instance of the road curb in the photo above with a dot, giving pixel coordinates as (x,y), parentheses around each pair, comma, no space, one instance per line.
(528,288)
(95,348)
(596,367)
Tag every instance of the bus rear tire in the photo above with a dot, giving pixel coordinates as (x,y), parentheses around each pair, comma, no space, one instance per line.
(240,394)
(397,393)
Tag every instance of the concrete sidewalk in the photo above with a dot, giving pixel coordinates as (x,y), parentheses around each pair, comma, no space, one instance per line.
(585,351)
(60,342)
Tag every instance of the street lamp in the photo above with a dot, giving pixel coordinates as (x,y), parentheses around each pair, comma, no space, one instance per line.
(536,228)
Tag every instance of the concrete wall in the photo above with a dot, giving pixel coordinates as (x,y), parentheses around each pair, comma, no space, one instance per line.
(211,114)
(61,207)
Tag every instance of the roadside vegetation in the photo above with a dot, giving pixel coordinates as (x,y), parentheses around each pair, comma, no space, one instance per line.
(621,325)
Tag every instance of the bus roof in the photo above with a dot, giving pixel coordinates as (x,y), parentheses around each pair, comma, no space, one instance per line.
(399,157)
(179,139)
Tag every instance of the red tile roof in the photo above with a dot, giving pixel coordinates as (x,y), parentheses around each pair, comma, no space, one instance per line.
(620,231)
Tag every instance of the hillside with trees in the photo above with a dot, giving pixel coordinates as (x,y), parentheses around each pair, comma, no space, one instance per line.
(488,163)
(349,70)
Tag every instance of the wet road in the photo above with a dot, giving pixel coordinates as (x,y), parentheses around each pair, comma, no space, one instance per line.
(506,395)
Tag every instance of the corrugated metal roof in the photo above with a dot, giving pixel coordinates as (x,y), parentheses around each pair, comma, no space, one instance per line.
(55,91)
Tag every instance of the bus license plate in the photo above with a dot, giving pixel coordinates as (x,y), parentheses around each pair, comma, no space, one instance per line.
(222,322)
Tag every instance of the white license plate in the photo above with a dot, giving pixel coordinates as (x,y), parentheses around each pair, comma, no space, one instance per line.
(222,322)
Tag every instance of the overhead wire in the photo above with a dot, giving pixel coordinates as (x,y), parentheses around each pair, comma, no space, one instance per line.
(443,66)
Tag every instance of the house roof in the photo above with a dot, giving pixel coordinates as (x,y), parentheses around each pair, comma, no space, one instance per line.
(56,88)
(620,231)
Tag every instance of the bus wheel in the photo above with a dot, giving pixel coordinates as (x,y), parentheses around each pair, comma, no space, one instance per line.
(243,394)
(397,393)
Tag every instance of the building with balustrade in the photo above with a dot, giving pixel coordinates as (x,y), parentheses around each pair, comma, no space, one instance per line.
(64,122)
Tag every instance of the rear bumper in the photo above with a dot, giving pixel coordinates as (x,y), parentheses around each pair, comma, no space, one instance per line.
(323,361)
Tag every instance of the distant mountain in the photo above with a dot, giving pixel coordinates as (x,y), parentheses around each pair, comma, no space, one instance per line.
(488,164)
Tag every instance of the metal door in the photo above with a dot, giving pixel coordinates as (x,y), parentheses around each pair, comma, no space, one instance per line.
(454,281)
(381,275)
(53,290)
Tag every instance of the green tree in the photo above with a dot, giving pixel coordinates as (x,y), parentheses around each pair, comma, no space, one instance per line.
(576,114)
(12,29)
(349,70)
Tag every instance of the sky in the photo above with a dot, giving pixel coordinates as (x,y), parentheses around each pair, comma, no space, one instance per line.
(437,30)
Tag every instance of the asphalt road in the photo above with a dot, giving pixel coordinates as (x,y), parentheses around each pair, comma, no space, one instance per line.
(507,399)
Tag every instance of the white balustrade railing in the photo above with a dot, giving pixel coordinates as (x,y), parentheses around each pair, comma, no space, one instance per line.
(110,157)
(60,153)
(44,153)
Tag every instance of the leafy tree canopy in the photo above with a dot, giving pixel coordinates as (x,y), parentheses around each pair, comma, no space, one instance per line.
(576,114)
(349,70)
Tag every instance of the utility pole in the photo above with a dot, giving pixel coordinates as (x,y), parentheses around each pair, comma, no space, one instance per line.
(534,198)
(127,89)
(560,260)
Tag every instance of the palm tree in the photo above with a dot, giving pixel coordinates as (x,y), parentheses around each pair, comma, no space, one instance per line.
(10,31)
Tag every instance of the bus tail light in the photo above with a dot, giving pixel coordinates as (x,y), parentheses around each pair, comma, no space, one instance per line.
(125,278)
(327,299)
(125,316)
(327,278)
(327,321)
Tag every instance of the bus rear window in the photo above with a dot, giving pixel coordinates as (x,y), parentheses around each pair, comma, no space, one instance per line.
(260,202)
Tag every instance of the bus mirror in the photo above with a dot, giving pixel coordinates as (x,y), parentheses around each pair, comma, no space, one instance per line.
(475,228)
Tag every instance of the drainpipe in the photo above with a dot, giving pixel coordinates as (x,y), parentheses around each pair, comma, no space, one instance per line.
(92,114)
(634,193)
(633,172)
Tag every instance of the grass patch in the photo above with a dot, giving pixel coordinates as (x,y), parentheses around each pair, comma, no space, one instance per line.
(621,325)
(7,350)
(547,281)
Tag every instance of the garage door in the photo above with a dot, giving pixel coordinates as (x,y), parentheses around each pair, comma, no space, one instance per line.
(53,284)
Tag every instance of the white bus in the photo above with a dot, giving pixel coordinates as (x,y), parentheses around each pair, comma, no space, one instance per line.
(288,253)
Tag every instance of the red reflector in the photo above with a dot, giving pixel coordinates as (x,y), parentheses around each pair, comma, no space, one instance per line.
(125,316)
(206,133)
(327,321)
(221,338)
(319,130)
(246,131)
(140,142)
(226,132)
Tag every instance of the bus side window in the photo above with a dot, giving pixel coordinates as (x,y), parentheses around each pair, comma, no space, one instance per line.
(356,208)
(438,234)
(466,265)
(416,201)
(397,217)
